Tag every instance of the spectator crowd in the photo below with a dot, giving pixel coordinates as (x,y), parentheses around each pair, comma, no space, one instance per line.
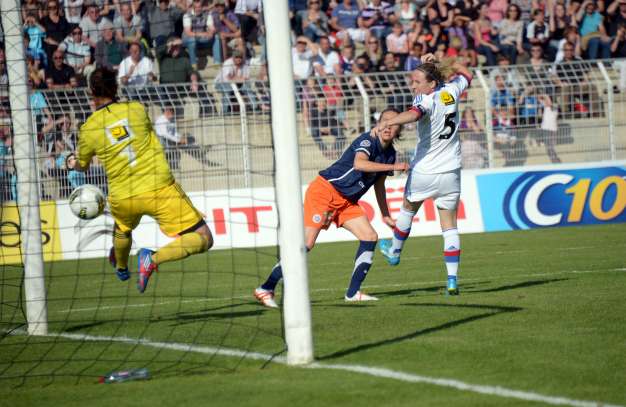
(66,39)
(173,41)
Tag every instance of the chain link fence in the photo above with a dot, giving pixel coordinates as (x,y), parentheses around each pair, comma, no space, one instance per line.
(510,116)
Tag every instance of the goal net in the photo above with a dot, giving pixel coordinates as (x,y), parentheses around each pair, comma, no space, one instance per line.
(197,314)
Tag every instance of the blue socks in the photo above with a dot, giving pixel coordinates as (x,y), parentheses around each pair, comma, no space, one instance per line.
(274,278)
(362,264)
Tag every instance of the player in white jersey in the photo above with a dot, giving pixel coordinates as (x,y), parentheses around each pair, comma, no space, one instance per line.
(435,171)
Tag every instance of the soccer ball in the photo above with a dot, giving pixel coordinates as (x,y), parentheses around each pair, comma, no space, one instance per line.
(87,202)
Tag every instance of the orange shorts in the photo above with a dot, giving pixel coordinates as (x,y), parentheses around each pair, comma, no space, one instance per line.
(324,205)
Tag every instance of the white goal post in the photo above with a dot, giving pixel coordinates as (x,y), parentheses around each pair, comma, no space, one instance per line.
(297,307)
(26,170)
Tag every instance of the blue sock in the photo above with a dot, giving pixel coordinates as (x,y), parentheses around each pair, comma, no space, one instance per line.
(362,264)
(274,278)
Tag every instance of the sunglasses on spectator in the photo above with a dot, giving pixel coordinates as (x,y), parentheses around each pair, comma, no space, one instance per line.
(372,42)
(52,7)
(302,42)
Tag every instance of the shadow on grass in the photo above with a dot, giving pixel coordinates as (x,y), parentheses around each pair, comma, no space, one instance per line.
(80,327)
(524,284)
(414,291)
(346,305)
(179,318)
(493,311)
(206,316)
(210,314)
(468,288)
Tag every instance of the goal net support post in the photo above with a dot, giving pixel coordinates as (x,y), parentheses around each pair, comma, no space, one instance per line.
(26,170)
(297,307)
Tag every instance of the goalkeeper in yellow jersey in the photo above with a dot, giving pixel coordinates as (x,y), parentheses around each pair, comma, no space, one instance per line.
(121,135)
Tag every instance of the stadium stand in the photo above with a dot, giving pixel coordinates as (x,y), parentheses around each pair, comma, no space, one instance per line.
(538,96)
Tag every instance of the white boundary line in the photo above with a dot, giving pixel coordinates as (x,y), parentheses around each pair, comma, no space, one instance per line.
(318,290)
(371,371)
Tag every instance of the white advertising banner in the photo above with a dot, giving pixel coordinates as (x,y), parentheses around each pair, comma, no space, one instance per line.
(248,218)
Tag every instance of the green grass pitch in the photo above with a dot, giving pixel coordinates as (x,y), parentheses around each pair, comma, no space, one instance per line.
(540,311)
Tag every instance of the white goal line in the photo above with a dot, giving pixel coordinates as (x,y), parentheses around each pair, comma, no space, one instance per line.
(367,370)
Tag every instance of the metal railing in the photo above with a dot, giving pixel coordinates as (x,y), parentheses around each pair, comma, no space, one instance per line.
(513,115)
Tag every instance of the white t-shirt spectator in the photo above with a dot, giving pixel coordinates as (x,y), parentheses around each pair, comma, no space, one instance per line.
(248,5)
(559,50)
(91,29)
(166,129)
(328,61)
(76,53)
(128,28)
(397,44)
(140,76)
(229,70)
(533,31)
(302,66)
(73,10)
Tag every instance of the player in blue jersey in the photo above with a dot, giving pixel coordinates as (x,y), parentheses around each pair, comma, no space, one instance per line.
(333,197)
(436,165)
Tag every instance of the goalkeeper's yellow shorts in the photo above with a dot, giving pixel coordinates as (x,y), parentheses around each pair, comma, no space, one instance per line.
(170,207)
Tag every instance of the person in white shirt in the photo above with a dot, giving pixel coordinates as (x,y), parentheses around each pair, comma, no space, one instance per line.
(327,62)
(435,171)
(174,143)
(77,51)
(249,14)
(127,25)
(345,20)
(90,24)
(198,31)
(235,70)
(135,71)
(301,56)
(73,9)
(397,42)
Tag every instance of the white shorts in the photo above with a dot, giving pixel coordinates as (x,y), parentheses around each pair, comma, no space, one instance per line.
(444,188)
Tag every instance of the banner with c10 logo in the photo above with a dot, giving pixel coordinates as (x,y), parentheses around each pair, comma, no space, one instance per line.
(563,197)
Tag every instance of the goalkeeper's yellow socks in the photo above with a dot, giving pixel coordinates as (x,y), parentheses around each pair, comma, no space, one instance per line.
(184,246)
(121,247)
